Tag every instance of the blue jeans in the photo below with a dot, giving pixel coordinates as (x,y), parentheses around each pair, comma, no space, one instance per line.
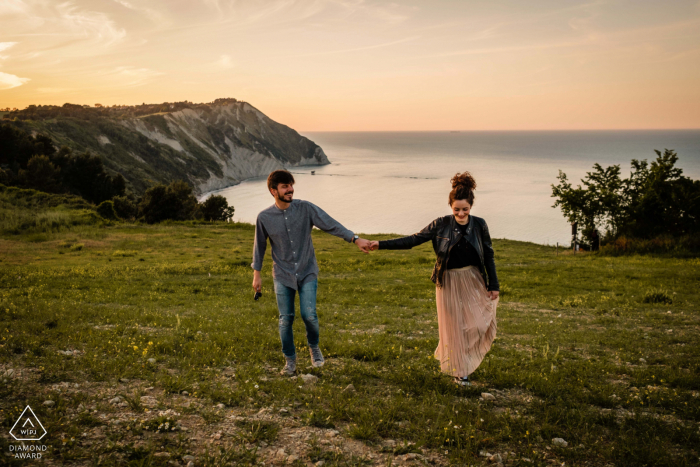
(307,305)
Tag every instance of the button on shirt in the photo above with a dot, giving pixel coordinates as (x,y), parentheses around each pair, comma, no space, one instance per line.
(289,231)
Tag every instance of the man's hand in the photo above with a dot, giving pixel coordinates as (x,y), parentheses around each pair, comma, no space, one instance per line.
(374,245)
(257,281)
(362,244)
(493,294)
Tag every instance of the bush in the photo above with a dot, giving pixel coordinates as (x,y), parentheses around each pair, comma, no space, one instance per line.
(657,296)
(106,210)
(30,211)
(216,208)
(174,202)
(34,162)
(688,245)
(125,207)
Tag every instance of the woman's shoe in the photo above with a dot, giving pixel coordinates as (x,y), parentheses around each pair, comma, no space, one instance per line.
(462,381)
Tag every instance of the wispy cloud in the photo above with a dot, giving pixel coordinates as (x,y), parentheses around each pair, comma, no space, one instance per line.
(357,49)
(8,81)
(129,76)
(89,24)
(6,45)
(151,13)
(12,7)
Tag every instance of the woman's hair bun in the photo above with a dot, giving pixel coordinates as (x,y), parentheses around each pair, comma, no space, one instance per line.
(464,181)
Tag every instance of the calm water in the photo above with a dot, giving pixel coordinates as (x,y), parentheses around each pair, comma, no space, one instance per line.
(396,182)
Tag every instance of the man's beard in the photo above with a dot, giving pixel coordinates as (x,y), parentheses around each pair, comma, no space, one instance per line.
(281,197)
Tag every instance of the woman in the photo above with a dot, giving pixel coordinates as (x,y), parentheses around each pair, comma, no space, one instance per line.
(465,276)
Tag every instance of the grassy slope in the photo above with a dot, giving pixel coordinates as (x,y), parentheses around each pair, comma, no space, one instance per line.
(566,363)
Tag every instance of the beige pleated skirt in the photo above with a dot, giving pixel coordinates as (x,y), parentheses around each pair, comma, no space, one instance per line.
(466,321)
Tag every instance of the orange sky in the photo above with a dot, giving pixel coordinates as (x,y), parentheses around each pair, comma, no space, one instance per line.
(364,65)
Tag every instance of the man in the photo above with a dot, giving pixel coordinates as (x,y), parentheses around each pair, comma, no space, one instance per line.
(288,224)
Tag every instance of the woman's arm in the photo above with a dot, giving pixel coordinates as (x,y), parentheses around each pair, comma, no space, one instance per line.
(489,262)
(406,243)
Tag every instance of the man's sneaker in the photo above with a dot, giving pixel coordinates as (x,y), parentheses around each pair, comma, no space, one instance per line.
(463,381)
(317,360)
(290,367)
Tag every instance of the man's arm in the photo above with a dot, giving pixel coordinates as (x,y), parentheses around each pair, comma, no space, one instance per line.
(323,221)
(259,248)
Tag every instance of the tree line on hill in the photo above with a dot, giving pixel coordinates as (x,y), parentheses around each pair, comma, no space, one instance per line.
(34,162)
(655,208)
(86,112)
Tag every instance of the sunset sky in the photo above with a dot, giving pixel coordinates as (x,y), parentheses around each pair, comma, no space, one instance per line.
(367,65)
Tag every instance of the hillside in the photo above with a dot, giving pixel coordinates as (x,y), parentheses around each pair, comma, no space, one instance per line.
(110,332)
(209,145)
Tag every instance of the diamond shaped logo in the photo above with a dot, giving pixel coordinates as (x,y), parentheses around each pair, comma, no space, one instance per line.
(28,427)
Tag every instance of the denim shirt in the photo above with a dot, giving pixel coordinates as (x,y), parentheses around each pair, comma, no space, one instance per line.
(289,231)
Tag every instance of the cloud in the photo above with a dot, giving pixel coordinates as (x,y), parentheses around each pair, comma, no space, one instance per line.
(8,81)
(89,23)
(6,45)
(357,49)
(152,14)
(129,76)
(10,7)
(225,62)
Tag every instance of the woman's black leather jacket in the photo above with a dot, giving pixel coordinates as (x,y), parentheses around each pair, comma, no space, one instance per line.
(445,234)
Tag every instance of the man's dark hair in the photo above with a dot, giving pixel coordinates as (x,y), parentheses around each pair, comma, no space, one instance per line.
(277,177)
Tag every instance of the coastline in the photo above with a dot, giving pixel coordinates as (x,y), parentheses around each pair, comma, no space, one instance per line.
(207,194)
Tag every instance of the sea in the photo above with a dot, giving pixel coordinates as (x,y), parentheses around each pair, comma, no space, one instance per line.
(398,182)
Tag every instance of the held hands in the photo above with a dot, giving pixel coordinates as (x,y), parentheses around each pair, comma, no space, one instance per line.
(493,294)
(363,244)
(374,245)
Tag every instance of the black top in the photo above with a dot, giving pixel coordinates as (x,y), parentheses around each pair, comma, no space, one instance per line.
(463,254)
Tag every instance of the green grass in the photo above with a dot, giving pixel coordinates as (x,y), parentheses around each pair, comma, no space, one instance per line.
(26,211)
(566,362)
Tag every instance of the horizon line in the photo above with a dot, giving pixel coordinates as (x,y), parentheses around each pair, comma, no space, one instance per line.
(500,130)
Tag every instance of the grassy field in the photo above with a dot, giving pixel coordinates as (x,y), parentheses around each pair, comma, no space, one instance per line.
(142,345)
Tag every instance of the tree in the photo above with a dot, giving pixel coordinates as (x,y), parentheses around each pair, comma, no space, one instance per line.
(216,208)
(660,199)
(54,171)
(85,175)
(655,200)
(41,175)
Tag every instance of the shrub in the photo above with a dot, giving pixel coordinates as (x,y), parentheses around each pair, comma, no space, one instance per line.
(174,201)
(688,245)
(216,208)
(657,296)
(125,207)
(123,253)
(106,210)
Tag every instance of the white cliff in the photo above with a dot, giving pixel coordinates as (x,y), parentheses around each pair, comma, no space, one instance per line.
(232,142)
